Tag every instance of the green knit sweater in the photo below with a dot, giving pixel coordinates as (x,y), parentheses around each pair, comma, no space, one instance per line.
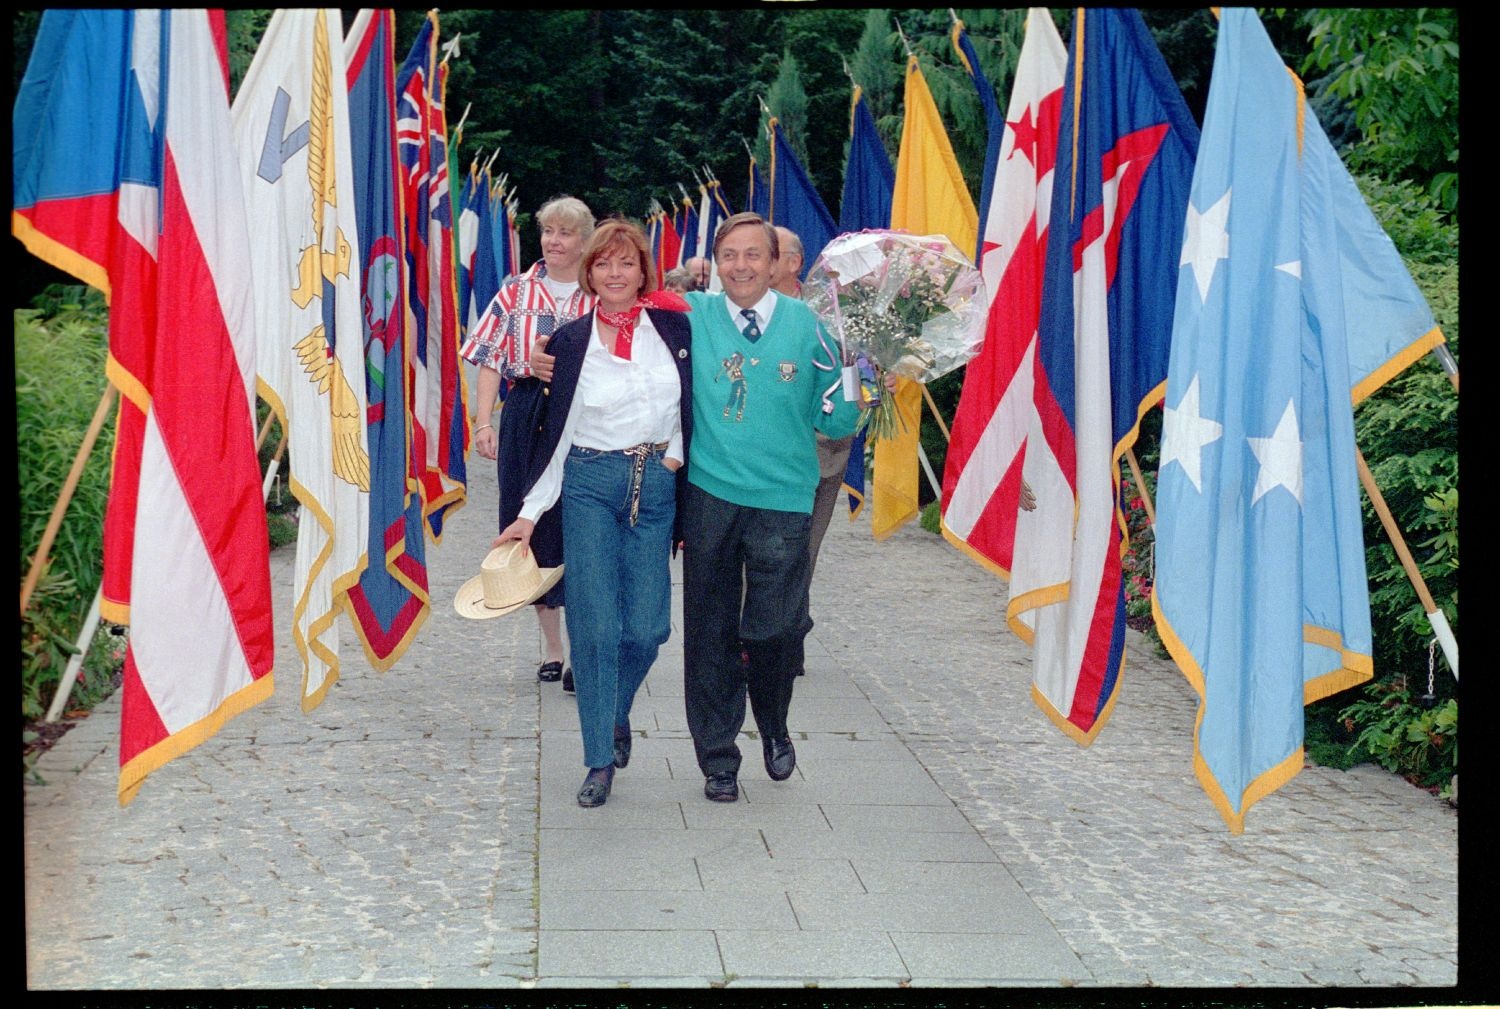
(756,405)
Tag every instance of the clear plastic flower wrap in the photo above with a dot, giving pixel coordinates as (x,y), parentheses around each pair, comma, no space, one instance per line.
(901,304)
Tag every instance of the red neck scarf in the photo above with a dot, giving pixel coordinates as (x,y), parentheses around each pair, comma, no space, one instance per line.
(624,322)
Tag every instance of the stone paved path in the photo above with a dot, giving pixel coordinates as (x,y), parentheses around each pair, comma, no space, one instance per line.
(418,830)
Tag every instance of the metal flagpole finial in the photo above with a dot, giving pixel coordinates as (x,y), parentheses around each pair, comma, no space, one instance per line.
(849,73)
(490,162)
(463,119)
(904,43)
(747,148)
(451,47)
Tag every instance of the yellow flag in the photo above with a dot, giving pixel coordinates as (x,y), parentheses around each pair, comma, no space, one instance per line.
(930,198)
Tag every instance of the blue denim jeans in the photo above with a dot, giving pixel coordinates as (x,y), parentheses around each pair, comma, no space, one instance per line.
(619,594)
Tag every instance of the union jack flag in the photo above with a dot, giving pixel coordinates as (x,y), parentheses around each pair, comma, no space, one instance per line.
(431,281)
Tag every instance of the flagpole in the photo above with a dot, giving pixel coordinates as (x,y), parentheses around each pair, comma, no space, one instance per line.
(265,429)
(932,480)
(265,486)
(39,560)
(1450,367)
(1435,616)
(80,652)
(935,415)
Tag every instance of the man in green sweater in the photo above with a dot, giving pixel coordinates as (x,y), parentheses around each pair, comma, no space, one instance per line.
(765,380)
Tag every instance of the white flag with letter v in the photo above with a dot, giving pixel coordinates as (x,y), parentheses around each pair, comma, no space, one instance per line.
(291,122)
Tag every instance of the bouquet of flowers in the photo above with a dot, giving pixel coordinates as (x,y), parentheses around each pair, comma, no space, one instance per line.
(902,304)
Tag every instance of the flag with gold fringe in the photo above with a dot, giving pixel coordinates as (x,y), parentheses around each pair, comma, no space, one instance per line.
(291,122)
(1290,300)
(930,197)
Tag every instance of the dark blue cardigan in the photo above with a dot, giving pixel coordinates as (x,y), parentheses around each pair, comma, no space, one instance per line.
(569,345)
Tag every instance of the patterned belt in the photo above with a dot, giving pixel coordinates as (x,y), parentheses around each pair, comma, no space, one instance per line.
(640,453)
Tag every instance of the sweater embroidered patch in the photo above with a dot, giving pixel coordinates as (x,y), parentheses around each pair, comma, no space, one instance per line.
(734,367)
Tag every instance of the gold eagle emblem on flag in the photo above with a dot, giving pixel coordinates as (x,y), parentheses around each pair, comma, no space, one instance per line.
(351,462)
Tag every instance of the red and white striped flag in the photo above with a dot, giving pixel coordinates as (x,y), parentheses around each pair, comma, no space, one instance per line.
(162,231)
(982,477)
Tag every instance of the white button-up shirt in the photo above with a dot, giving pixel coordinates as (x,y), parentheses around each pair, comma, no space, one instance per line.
(617,404)
(763,310)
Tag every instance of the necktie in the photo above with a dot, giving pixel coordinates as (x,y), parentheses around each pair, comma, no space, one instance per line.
(752,328)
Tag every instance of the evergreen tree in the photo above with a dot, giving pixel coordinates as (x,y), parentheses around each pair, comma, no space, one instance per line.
(788,103)
(877,69)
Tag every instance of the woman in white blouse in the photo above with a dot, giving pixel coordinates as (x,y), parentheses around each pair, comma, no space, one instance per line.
(615,438)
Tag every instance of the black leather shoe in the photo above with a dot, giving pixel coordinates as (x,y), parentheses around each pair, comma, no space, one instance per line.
(722,787)
(567,678)
(549,672)
(622,747)
(781,758)
(596,787)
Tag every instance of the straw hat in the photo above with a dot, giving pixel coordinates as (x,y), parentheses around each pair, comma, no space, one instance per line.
(507,581)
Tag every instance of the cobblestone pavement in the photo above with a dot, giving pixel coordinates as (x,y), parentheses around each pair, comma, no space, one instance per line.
(390,838)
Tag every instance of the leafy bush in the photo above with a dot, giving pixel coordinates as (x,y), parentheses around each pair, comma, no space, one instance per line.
(1417,225)
(60,351)
(1398,70)
(1138,567)
(932,518)
(59,354)
(1410,738)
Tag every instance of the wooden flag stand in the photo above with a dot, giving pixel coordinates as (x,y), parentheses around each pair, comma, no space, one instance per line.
(91,622)
(54,523)
(1435,615)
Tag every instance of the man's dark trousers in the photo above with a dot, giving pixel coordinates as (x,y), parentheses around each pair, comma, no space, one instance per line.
(745,579)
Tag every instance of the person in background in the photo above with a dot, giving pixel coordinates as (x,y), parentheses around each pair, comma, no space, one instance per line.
(678,280)
(531,305)
(833,453)
(614,438)
(698,268)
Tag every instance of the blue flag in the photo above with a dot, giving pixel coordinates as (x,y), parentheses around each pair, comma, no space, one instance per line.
(486,276)
(868,175)
(467,235)
(689,231)
(795,203)
(390,602)
(994,123)
(1260,590)
(869,180)
(500,236)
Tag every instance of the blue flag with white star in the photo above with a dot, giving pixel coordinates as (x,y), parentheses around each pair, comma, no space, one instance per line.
(1260,590)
